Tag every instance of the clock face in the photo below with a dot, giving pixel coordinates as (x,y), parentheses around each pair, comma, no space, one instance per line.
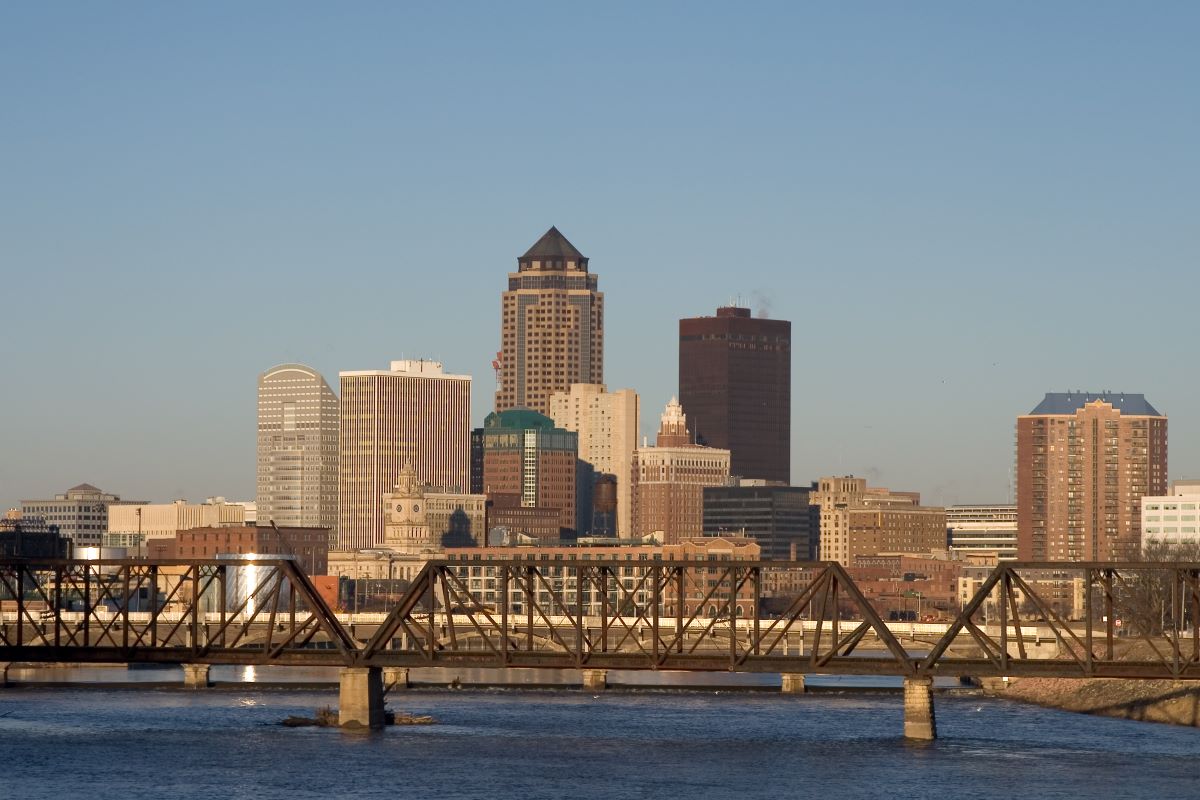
(399,509)
(416,507)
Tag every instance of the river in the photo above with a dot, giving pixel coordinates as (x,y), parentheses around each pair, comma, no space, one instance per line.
(531,743)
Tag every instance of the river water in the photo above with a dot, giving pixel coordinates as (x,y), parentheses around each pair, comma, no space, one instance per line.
(531,743)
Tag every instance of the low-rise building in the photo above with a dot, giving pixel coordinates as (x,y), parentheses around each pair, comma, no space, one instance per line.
(779,518)
(131,525)
(1173,519)
(983,530)
(309,546)
(909,587)
(81,513)
(860,520)
(31,537)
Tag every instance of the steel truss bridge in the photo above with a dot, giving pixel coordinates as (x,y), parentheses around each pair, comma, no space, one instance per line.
(1136,620)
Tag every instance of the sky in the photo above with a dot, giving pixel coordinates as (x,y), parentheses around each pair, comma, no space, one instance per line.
(960,207)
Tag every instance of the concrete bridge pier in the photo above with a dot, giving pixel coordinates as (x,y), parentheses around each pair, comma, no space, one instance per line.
(793,682)
(595,680)
(4,665)
(195,676)
(395,678)
(360,698)
(919,721)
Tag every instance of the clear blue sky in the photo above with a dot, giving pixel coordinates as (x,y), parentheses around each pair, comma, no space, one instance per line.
(959,206)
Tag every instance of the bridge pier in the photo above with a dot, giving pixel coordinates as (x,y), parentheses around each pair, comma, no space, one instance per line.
(919,722)
(595,680)
(395,678)
(4,665)
(360,698)
(793,682)
(195,676)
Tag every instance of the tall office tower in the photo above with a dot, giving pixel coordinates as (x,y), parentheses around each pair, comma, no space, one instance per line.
(857,520)
(552,326)
(530,464)
(297,449)
(669,480)
(983,530)
(412,412)
(735,380)
(1084,463)
(607,424)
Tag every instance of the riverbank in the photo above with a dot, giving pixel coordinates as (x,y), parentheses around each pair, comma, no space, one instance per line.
(1168,702)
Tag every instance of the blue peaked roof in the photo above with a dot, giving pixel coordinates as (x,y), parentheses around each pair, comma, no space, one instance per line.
(1070,402)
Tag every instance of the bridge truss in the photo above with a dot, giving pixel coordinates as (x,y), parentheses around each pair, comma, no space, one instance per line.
(1132,620)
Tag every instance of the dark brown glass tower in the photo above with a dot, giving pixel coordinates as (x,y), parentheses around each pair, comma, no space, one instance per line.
(735,381)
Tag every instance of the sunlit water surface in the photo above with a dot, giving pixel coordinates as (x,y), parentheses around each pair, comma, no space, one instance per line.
(156,742)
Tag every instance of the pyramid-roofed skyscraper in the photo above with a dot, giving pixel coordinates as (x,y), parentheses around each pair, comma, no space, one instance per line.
(552,326)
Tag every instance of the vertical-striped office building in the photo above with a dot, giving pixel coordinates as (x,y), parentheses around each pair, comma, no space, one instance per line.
(411,413)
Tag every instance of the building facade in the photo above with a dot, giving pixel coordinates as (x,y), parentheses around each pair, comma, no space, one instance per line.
(607,425)
(1084,463)
(1172,519)
(983,530)
(634,594)
(857,520)
(779,518)
(526,456)
(735,380)
(132,525)
(669,480)
(81,513)
(308,546)
(297,469)
(448,519)
(413,412)
(551,327)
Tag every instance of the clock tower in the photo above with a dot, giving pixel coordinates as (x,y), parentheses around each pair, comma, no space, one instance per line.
(406,530)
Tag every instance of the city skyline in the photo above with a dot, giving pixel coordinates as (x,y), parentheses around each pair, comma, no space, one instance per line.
(933,229)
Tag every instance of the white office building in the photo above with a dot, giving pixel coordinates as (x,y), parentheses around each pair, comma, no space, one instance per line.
(1174,519)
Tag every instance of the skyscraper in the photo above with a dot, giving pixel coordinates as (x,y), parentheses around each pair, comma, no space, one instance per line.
(607,424)
(1084,463)
(552,326)
(735,380)
(411,413)
(297,449)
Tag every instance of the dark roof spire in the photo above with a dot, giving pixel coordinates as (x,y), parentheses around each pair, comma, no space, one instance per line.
(553,246)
